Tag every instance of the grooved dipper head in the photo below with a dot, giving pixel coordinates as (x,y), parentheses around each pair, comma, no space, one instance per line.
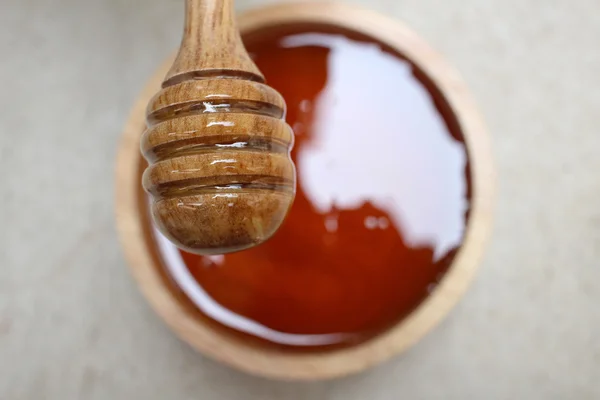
(220,171)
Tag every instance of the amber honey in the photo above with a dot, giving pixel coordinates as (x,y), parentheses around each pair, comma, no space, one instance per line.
(381,205)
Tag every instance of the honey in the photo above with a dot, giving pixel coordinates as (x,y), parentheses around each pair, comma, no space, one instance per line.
(381,205)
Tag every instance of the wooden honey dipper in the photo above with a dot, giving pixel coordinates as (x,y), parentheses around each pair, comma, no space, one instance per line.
(220,171)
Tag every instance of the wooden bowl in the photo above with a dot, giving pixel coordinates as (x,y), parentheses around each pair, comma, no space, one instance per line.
(140,247)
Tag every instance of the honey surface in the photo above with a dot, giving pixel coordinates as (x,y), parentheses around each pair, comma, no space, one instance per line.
(381,203)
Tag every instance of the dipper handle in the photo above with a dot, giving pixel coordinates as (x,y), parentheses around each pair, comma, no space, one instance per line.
(211,45)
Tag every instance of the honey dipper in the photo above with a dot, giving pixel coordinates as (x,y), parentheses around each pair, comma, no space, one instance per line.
(220,174)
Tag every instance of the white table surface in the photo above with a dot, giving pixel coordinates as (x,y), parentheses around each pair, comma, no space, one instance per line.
(72,323)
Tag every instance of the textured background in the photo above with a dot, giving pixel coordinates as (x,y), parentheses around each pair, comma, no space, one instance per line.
(72,324)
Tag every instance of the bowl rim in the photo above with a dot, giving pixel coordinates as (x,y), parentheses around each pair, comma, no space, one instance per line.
(330,364)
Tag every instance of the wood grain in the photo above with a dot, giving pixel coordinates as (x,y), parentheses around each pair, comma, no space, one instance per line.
(211,44)
(307,366)
(221,176)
